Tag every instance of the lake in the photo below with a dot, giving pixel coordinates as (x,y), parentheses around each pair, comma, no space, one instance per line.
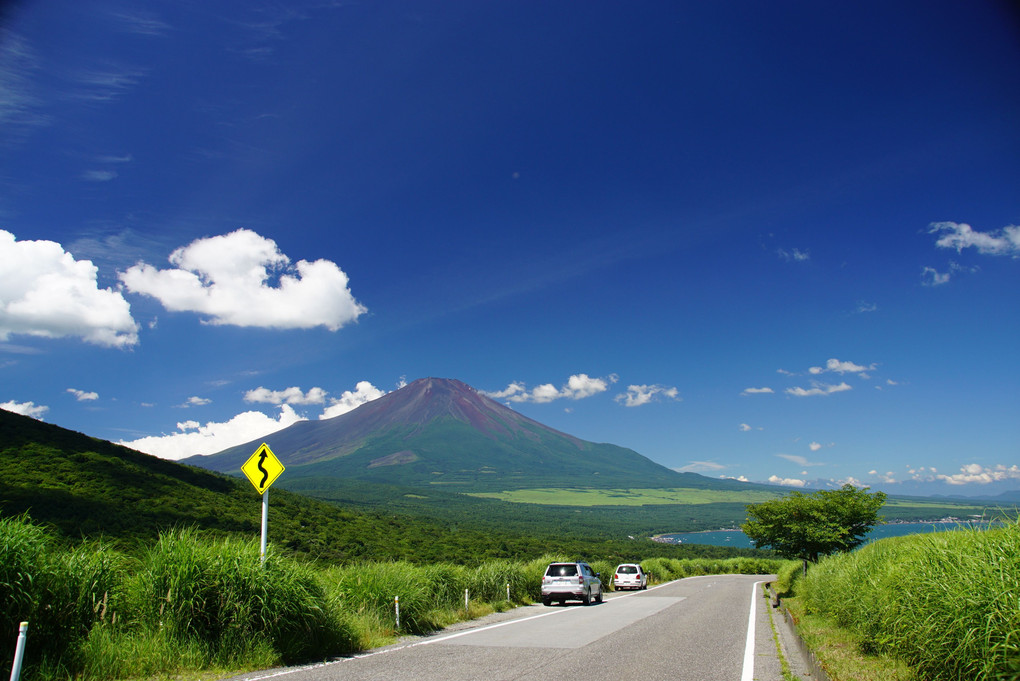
(738,539)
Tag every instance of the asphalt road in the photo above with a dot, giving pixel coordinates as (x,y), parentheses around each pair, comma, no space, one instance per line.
(695,629)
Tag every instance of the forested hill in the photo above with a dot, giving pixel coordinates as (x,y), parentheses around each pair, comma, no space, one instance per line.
(89,488)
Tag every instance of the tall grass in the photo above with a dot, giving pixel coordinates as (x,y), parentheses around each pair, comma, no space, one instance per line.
(190,602)
(947,603)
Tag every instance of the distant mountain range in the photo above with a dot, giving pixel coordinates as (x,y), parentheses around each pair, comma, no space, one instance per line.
(443,433)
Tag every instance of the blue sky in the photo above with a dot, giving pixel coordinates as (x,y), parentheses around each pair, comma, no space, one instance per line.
(771,241)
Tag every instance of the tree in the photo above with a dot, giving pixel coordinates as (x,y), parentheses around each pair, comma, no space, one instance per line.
(808,526)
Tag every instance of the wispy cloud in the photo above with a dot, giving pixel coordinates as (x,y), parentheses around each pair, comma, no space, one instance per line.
(701,467)
(958,236)
(638,395)
(795,255)
(99,175)
(799,460)
(757,391)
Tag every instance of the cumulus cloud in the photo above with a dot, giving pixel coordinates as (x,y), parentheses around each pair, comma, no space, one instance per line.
(786,482)
(578,386)
(195,401)
(757,391)
(818,389)
(958,236)
(836,366)
(194,438)
(83,396)
(45,292)
(229,278)
(637,395)
(363,392)
(292,395)
(977,474)
(25,408)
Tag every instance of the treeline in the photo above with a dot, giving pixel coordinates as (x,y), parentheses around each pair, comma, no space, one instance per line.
(194,602)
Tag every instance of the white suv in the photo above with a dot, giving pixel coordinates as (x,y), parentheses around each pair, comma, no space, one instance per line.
(630,576)
(571,581)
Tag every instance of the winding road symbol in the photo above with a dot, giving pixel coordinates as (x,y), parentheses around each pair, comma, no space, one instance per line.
(262,468)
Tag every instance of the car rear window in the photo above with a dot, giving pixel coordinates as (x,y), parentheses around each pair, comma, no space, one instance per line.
(626,570)
(561,571)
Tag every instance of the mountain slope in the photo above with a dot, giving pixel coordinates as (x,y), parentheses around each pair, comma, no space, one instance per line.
(83,487)
(443,432)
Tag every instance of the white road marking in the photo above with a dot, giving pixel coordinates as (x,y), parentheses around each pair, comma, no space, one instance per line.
(748,673)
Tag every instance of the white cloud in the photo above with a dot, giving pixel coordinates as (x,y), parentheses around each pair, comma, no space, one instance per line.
(836,366)
(700,467)
(638,395)
(932,277)
(818,389)
(978,474)
(579,386)
(194,438)
(45,292)
(99,175)
(83,396)
(25,408)
(786,482)
(814,446)
(745,428)
(799,460)
(757,391)
(363,392)
(959,236)
(864,307)
(796,255)
(195,401)
(292,395)
(228,279)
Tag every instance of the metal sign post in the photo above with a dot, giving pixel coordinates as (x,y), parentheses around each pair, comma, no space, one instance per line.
(262,469)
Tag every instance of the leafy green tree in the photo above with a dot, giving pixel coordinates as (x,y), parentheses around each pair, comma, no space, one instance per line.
(808,526)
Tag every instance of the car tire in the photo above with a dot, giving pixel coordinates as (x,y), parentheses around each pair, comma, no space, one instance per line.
(586,598)
(598,599)
(547,602)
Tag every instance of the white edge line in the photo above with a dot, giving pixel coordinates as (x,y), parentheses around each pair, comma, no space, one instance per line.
(438,639)
(748,672)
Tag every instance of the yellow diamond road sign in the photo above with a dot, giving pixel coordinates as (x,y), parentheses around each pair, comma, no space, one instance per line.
(262,468)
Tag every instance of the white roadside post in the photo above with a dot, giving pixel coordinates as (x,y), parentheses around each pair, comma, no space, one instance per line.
(262,469)
(467,607)
(19,652)
(396,605)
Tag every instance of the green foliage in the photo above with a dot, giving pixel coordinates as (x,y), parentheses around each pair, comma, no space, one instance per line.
(807,526)
(221,595)
(946,602)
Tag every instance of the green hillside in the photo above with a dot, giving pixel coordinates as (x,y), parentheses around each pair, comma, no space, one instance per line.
(83,487)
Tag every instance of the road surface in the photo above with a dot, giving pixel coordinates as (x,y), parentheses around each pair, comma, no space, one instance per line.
(695,629)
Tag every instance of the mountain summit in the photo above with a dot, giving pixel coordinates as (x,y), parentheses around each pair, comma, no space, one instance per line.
(438,431)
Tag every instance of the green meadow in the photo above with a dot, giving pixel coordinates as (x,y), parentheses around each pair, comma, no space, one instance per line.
(580,496)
